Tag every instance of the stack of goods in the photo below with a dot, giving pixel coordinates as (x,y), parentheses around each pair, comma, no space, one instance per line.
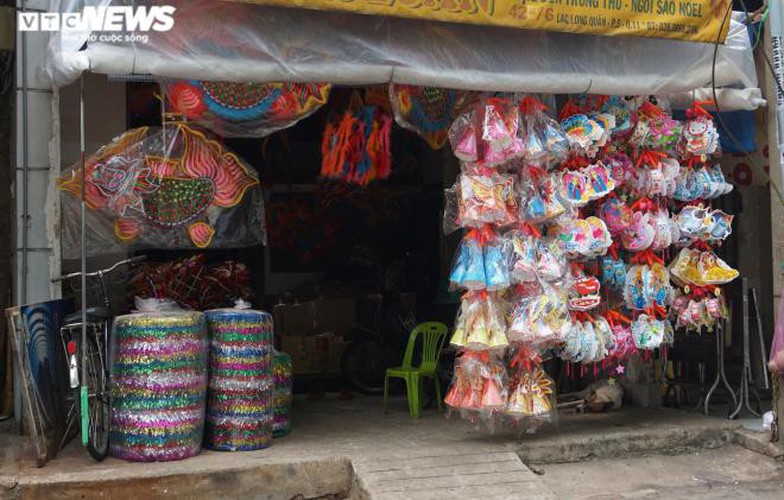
(696,270)
(159,386)
(282,393)
(568,226)
(504,262)
(192,282)
(239,403)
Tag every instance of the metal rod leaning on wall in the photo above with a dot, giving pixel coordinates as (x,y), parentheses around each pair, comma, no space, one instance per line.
(83,257)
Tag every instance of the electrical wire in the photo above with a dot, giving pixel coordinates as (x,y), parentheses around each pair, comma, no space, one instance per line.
(751,158)
(760,24)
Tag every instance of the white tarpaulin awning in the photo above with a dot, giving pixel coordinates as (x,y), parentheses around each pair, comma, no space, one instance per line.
(239,42)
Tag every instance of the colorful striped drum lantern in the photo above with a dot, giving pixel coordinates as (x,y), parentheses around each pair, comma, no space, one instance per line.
(282,393)
(239,401)
(159,385)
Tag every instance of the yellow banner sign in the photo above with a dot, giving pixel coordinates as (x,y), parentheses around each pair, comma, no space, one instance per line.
(695,20)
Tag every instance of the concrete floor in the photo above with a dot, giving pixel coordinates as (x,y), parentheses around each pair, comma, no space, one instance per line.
(351,449)
(729,472)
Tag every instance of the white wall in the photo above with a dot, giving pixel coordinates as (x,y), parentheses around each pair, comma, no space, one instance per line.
(47,128)
(36,250)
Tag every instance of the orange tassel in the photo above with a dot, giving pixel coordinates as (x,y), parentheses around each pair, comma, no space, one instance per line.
(327,153)
(372,149)
(385,154)
(342,144)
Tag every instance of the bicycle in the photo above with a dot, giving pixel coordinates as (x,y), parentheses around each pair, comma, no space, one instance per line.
(91,391)
(371,351)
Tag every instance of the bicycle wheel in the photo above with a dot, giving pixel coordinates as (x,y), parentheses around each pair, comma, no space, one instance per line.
(97,384)
(364,365)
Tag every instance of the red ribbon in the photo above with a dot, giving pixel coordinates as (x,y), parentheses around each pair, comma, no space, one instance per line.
(575,162)
(582,316)
(481,235)
(530,104)
(651,158)
(613,250)
(656,311)
(647,257)
(701,245)
(615,318)
(699,292)
(644,204)
(498,102)
(650,110)
(697,108)
(475,295)
(526,358)
(530,229)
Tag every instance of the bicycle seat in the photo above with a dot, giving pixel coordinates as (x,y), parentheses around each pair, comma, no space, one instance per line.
(95,314)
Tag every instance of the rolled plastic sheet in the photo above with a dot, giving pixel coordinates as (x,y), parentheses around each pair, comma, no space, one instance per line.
(159,386)
(282,394)
(239,405)
(255,43)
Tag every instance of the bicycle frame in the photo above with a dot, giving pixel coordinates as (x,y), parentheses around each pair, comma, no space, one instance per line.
(100,330)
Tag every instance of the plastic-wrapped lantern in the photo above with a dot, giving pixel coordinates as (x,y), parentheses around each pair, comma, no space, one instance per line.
(282,394)
(159,385)
(239,403)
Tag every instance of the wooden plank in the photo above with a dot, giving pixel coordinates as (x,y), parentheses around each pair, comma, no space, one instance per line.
(33,420)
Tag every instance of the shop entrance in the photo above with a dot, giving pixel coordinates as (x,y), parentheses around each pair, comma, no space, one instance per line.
(349,269)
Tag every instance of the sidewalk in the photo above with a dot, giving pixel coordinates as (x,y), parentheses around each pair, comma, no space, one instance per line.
(342,449)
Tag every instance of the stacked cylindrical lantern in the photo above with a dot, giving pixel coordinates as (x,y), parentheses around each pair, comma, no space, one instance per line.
(282,394)
(239,407)
(159,383)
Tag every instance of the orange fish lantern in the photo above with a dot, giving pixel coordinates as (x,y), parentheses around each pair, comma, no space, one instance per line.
(170,188)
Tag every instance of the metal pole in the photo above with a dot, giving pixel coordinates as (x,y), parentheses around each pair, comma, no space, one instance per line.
(25,161)
(745,377)
(82,215)
(761,338)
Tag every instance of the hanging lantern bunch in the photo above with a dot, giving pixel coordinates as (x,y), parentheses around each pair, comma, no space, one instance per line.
(356,148)
(589,239)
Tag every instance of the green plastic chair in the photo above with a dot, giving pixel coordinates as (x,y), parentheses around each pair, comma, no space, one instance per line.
(434,335)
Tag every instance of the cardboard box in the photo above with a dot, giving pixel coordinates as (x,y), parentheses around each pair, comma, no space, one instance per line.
(295,318)
(314,354)
(316,316)
(336,315)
